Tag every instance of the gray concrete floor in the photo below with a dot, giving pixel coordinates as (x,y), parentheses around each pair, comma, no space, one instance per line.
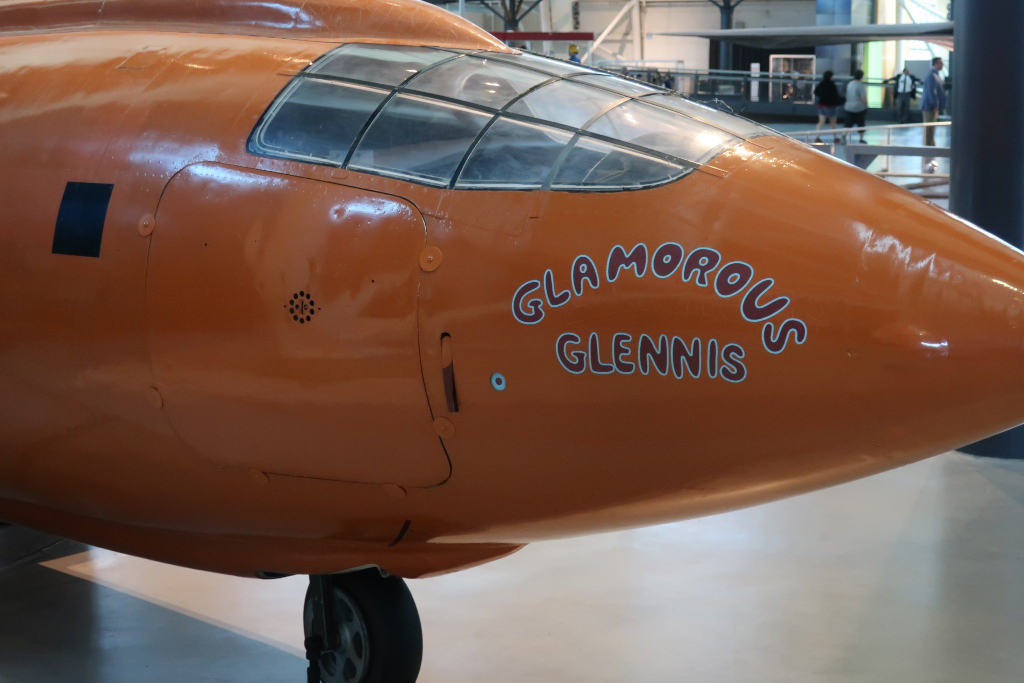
(910,576)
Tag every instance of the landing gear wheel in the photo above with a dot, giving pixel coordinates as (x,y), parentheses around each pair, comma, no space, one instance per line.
(378,638)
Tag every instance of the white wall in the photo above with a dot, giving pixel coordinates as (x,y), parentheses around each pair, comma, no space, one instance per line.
(685,16)
(660,16)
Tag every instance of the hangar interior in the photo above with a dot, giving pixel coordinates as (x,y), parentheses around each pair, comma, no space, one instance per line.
(912,575)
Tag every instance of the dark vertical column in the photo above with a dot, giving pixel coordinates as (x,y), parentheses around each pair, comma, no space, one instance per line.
(988,139)
(727,9)
(725,47)
(837,58)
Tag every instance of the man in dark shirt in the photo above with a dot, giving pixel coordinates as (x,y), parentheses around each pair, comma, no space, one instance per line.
(906,91)
(933,103)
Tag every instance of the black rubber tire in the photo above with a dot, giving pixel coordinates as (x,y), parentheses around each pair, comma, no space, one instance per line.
(392,624)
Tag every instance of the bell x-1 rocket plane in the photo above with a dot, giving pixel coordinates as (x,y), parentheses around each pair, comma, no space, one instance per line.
(316,286)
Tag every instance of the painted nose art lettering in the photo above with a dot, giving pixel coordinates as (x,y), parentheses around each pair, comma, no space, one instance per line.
(626,353)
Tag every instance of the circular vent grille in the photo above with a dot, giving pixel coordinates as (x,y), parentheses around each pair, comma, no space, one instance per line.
(301,307)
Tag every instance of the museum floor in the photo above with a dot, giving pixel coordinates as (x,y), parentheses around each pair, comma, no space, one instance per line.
(916,575)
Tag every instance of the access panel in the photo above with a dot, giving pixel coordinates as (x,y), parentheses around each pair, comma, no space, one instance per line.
(282,322)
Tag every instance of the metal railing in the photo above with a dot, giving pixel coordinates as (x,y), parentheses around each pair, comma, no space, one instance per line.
(875,148)
(779,88)
(887,174)
(888,128)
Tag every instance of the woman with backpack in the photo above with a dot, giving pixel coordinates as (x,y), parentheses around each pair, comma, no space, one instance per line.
(827,95)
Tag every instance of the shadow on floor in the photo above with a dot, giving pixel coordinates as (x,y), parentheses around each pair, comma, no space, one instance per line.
(55,628)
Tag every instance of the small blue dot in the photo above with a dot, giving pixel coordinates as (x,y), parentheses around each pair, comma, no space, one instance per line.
(498,381)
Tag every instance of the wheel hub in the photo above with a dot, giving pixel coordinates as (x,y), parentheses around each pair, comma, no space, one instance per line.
(350,661)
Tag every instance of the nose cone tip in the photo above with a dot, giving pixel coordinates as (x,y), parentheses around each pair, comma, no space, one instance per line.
(927,310)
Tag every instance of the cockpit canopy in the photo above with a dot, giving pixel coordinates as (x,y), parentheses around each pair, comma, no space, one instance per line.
(490,120)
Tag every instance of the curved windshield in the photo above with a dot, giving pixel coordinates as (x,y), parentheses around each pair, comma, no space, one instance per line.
(384,64)
(319,120)
(419,139)
(646,125)
(490,120)
(477,81)
(615,84)
(736,125)
(597,165)
(570,104)
(514,154)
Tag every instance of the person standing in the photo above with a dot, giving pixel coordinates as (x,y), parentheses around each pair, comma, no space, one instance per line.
(933,103)
(827,95)
(857,103)
(906,92)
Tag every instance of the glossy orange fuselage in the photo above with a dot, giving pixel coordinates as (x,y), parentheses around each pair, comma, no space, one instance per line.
(250,378)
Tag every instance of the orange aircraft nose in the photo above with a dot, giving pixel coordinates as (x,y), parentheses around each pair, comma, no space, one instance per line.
(915,319)
(720,342)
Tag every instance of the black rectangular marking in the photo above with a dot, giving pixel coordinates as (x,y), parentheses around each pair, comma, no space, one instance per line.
(83,211)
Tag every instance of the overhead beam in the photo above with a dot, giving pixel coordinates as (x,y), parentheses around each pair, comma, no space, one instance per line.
(611,27)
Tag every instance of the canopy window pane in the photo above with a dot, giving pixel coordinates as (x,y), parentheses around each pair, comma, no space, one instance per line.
(319,120)
(437,112)
(485,82)
(514,154)
(733,124)
(616,84)
(419,139)
(565,102)
(385,64)
(601,166)
(663,131)
(554,67)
